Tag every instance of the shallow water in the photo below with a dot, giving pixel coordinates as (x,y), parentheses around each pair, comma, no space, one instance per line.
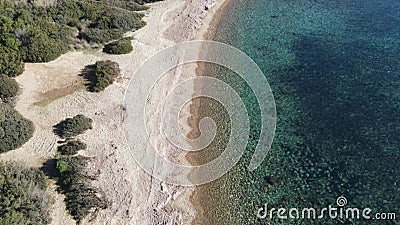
(334,68)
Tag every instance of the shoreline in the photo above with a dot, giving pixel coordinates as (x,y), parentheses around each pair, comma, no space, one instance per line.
(208,34)
(180,198)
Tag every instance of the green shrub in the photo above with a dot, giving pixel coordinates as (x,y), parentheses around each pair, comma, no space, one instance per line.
(81,197)
(96,35)
(67,11)
(73,126)
(15,129)
(10,57)
(130,5)
(23,196)
(122,46)
(44,49)
(126,21)
(10,61)
(33,36)
(8,88)
(62,166)
(101,75)
(71,147)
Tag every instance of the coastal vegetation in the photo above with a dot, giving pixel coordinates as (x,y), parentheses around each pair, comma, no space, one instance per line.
(100,75)
(81,198)
(74,181)
(34,33)
(122,46)
(23,196)
(73,126)
(15,130)
(8,88)
(71,147)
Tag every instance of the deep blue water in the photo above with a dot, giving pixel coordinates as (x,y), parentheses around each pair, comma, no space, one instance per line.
(334,68)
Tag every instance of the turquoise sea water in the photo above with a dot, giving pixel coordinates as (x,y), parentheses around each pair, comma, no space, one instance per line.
(334,68)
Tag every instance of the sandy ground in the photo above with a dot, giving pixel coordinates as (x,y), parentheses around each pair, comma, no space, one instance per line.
(53,91)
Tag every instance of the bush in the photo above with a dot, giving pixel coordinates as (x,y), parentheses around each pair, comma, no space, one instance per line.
(122,46)
(10,61)
(126,21)
(62,166)
(8,88)
(29,34)
(73,126)
(96,35)
(23,196)
(131,5)
(101,75)
(71,147)
(15,130)
(81,198)
(44,49)
(10,57)
(32,33)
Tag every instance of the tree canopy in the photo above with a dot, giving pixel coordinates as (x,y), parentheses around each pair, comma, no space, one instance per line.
(122,46)
(81,197)
(101,75)
(73,126)
(23,196)
(8,88)
(15,130)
